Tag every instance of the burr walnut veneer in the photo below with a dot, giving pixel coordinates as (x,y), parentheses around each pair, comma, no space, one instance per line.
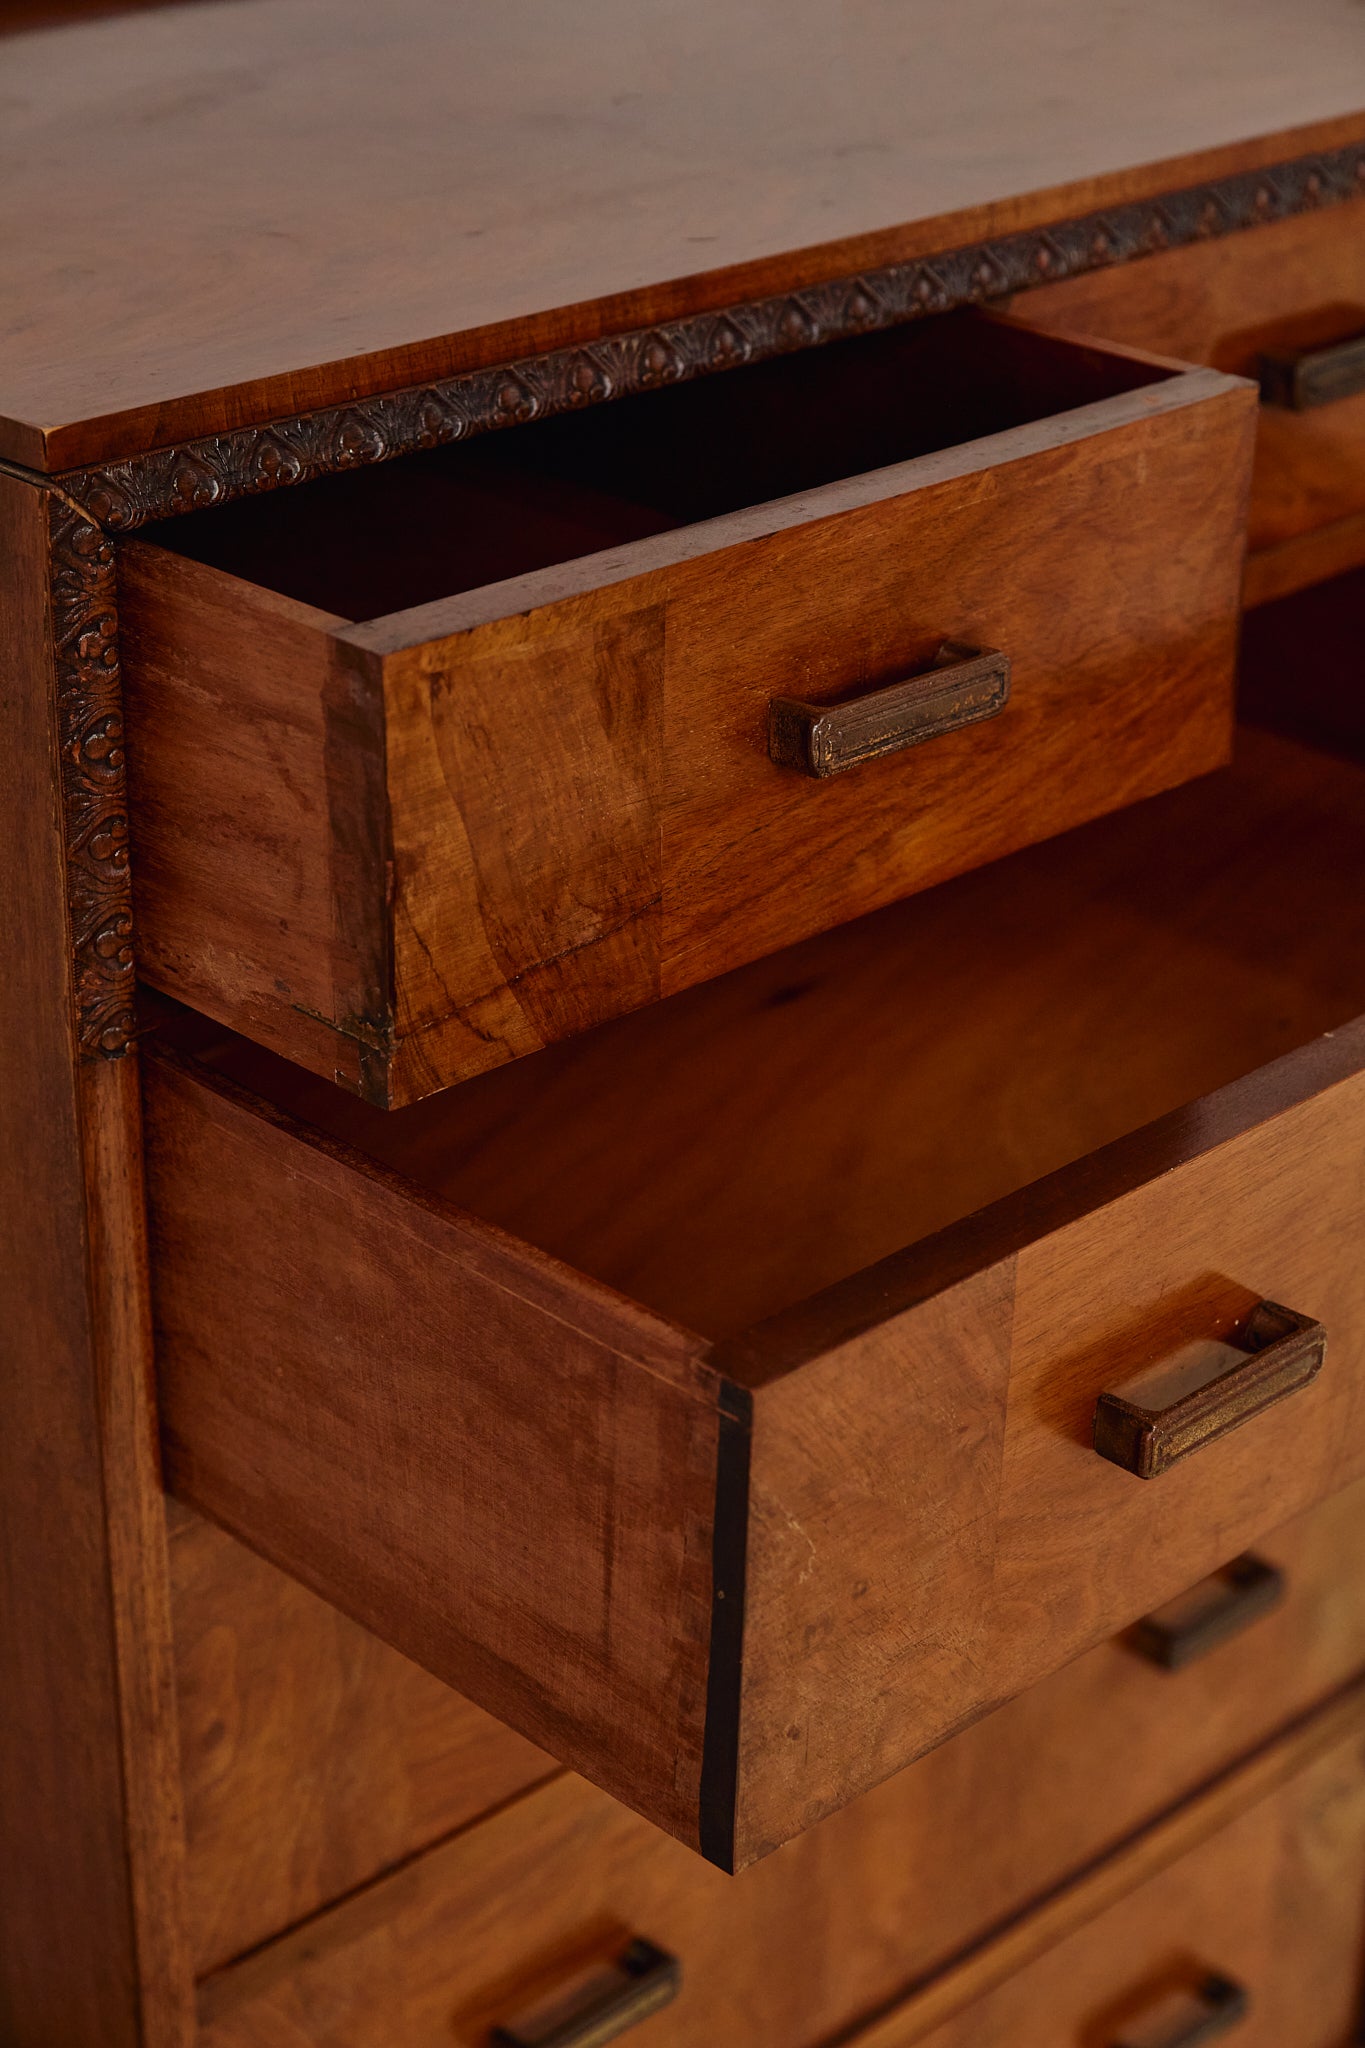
(625,615)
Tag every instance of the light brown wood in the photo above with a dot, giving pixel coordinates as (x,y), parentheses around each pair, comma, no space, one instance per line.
(1293,284)
(314,1757)
(90,1852)
(577,173)
(442,840)
(792,1953)
(1271,1896)
(926,1529)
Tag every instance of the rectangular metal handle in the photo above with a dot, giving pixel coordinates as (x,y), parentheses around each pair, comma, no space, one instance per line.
(962,686)
(1211,1613)
(1207,1390)
(1184,2019)
(1301,379)
(601,2004)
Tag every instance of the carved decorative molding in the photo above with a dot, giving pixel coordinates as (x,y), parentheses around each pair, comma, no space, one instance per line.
(119,497)
(94,797)
(125,495)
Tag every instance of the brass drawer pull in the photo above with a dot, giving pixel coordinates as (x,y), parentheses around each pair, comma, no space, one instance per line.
(1298,380)
(1214,2007)
(961,687)
(1210,1388)
(601,2005)
(1209,1614)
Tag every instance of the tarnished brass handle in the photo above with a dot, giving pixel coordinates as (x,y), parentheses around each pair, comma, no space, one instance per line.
(1207,1389)
(963,686)
(1301,379)
(1220,1607)
(600,2004)
(1185,2018)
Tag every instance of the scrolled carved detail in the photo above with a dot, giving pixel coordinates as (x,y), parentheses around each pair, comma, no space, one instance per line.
(94,798)
(125,495)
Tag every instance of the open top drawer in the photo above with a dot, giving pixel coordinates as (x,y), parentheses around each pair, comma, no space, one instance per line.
(991,575)
(714,1397)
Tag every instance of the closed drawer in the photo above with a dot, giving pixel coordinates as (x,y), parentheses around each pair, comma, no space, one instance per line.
(1291,290)
(1253,1936)
(312,1755)
(607,1388)
(844,1920)
(539,792)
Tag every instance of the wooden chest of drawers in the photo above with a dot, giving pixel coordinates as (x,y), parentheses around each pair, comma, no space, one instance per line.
(679,1069)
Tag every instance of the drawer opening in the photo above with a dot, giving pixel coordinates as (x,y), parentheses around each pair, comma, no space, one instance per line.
(385,538)
(738,1147)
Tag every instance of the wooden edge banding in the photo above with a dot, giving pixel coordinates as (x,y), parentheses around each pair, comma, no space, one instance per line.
(211,470)
(991,1962)
(718,1798)
(851,1307)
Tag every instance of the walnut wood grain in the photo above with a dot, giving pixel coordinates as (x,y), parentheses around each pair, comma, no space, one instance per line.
(503,816)
(1263,1871)
(313,1756)
(89,1785)
(579,175)
(924,1528)
(798,1950)
(315,1759)
(1298,284)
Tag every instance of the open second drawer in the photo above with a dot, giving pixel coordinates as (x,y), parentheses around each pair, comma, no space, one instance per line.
(439,762)
(716,1398)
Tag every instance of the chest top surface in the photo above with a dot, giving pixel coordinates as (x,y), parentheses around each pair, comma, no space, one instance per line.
(222,213)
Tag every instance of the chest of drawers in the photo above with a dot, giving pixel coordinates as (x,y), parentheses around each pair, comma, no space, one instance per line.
(682,1119)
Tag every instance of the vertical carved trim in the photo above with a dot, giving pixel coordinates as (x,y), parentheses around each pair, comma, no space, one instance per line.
(93,788)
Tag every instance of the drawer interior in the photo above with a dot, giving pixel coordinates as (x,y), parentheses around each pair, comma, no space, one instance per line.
(380,539)
(728,1152)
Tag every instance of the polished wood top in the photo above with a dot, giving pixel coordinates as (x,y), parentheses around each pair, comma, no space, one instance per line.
(219,214)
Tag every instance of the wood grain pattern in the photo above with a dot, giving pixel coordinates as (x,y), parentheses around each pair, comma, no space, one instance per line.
(314,1757)
(927,1528)
(794,1952)
(582,815)
(622,1414)
(256,782)
(89,1787)
(577,176)
(1273,1899)
(1296,284)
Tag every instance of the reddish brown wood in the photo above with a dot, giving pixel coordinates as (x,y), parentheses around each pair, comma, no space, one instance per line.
(1294,284)
(578,175)
(314,1757)
(923,1487)
(88,1781)
(1271,1899)
(441,840)
(794,1952)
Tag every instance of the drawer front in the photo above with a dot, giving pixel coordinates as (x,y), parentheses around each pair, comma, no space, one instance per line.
(896,1485)
(315,1759)
(427,845)
(1294,287)
(870,1517)
(313,1756)
(484,1929)
(1253,1937)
